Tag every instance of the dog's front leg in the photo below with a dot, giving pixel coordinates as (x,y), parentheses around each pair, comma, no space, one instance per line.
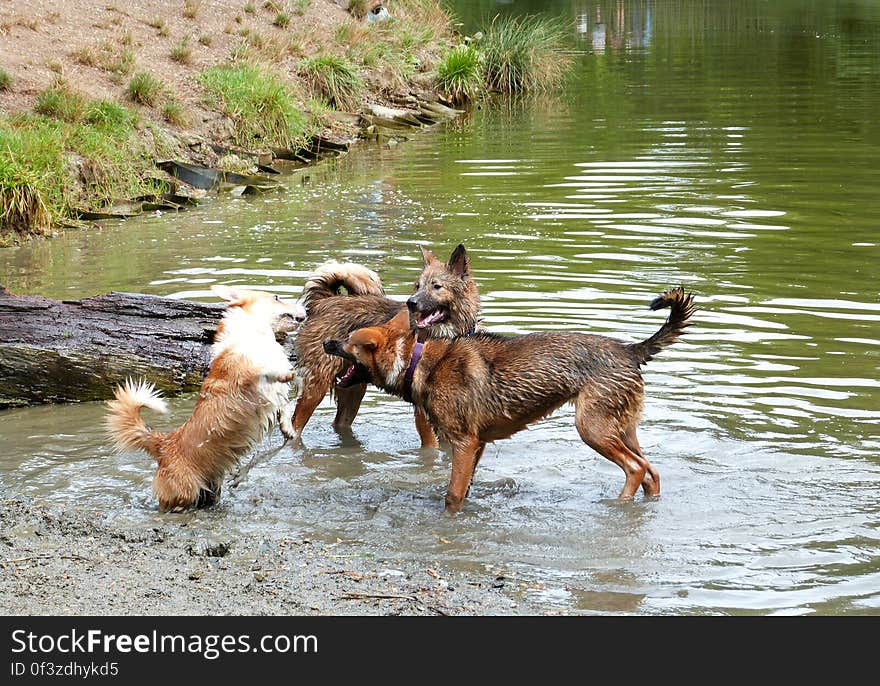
(285,375)
(285,419)
(312,395)
(348,402)
(466,452)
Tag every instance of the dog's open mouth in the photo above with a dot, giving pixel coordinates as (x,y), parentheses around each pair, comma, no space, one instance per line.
(426,319)
(352,375)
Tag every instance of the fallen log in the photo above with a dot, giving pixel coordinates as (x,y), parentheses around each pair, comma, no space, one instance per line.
(55,351)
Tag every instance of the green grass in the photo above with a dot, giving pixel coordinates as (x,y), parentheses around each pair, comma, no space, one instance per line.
(334,79)
(119,62)
(106,113)
(259,103)
(182,52)
(524,54)
(49,166)
(358,8)
(281,20)
(144,88)
(206,39)
(60,102)
(22,205)
(5,79)
(460,73)
(412,41)
(320,112)
(174,113)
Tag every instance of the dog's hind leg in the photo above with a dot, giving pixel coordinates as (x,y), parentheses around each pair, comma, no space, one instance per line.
(651,484)
(426,433)
(466,453)
(599,430)
(348,402)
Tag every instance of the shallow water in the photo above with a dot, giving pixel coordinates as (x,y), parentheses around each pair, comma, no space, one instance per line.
(728,147)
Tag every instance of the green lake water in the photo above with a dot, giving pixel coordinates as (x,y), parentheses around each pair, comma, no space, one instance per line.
(732,148)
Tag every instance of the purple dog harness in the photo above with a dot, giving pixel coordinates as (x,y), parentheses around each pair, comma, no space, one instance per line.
(411,370)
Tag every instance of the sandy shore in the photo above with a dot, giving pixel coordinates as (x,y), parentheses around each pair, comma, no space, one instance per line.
(55,562)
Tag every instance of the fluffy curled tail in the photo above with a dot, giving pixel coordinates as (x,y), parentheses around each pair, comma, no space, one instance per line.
(682,305)
(335,278)
(124,423)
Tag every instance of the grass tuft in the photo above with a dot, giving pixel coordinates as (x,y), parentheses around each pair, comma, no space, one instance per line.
(144,88)
(109,114)
(23,207)
(108,56)
(460,73)
(60,102)
(86,56)
(260,105)
(182,52)
(281,20)
(334,79)
(174,113)
(524,53)
(5,79)
(358,8)
(191,8)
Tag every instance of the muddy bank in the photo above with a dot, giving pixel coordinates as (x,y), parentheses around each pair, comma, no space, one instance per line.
(73,562)
(93,96)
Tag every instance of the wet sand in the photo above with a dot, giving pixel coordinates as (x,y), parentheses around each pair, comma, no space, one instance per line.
(69,562)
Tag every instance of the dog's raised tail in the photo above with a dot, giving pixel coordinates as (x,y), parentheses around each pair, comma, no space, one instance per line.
(338,278)
(682,305)
(124,423)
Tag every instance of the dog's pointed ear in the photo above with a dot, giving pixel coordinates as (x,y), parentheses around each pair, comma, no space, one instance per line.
(427,255)
(459,263)
(368,338)
(232,296)
(401,320)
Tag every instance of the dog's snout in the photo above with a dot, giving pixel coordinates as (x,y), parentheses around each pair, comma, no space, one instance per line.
(411,304)
(331,346)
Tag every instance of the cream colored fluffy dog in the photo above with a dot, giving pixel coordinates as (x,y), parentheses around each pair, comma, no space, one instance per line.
(243,395)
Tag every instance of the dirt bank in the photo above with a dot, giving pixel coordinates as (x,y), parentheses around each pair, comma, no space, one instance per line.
(79,563)
(82,79)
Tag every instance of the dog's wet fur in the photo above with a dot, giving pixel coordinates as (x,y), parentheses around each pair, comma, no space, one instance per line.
(481,388)
(241,397)
(340,298)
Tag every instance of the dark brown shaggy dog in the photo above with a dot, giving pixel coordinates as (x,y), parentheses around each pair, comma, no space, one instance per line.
(478,389)
(340,298)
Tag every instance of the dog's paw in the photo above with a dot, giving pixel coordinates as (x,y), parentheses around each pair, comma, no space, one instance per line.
(285,422)
(286,377)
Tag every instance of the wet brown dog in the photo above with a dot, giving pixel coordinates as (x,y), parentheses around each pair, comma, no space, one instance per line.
(241,397)
(481,388)
(340,298)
